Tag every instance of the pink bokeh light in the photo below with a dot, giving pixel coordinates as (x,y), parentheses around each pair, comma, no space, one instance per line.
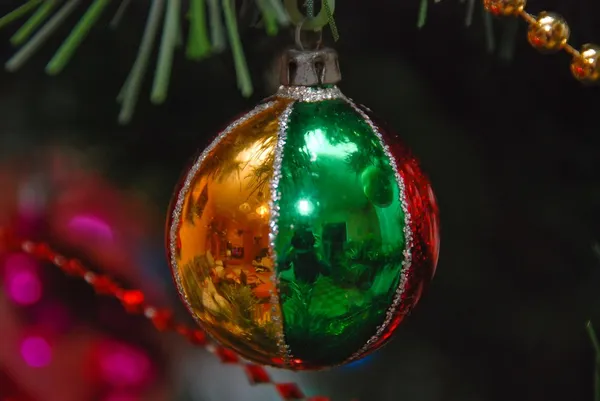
(21,279)
(24,287)
(36,352)
(91,227)
(123,366)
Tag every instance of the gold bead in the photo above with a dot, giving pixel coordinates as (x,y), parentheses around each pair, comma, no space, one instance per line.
(549,33)
(504,7)
(586,66)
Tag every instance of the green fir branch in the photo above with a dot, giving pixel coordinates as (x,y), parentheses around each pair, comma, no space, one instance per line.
(167,52)
(212,24)
(269,17)
(241,67)
(130,92)
(198,46)
(217,32)
(422,17)
(41,36)
(40,15)
(116,20)
(70,45)
(19,12)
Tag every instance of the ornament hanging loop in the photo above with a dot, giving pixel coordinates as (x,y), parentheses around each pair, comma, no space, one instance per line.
(310,67)
(299,36)
(312,24)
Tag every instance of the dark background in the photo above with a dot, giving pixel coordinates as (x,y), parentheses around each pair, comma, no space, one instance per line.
(512,148)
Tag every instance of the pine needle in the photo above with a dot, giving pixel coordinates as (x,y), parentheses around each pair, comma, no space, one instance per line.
(130,92)
(488,25)
(198,46)
(116,20)
(269,17)
(282,16)
(41,14)
(217,33)
(470,12)
(596,346)
(422,18)
(167,52)
(78,34)
(19,12)
(41,36)
(243,75)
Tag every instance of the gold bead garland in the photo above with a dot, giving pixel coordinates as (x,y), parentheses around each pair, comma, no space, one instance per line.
(548,33)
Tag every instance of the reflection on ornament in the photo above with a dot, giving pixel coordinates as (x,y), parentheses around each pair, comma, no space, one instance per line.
(305,207)
(377,186)
(245,207)
(346,245)
(262,211)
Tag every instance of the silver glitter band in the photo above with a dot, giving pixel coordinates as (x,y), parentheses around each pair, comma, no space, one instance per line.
(274,226)
(408,239)
(177,211)
(309,94)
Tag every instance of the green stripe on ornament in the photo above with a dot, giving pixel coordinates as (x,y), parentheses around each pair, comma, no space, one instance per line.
(340,233)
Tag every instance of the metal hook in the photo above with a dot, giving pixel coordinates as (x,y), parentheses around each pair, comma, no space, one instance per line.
(298,36)
(313,24)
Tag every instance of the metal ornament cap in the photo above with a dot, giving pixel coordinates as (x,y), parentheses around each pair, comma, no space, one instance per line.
(310,67)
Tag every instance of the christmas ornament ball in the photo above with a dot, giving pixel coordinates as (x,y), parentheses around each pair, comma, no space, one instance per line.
(586,65)
(306,231)
(549,33)
(504,7)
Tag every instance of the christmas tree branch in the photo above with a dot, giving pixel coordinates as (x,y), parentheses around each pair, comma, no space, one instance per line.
(65,52)
(488,24)
(470,12)
(422,18)
(241,68)
(116,20)
(167,52)
(130,91)
(280,13)
(19,12)
(198,45)
(41,36)
(217,33)
(269,17)
(40,15)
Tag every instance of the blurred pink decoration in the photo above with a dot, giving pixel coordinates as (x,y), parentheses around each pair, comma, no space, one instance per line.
(122,365)
(24,287)
(36,351)
(21,279)
(91,228)
(59,199)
